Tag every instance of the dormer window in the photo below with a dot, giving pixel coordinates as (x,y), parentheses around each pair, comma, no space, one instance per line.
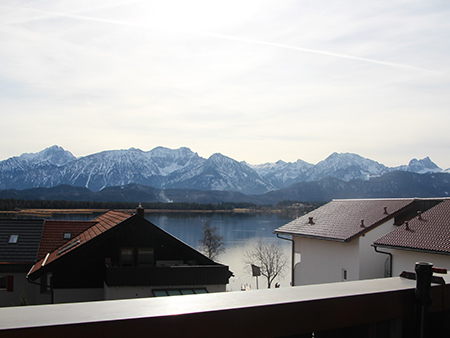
(13,239)
(67,235)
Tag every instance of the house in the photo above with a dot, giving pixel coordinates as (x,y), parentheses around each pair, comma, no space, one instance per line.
(19,248)
(116,255)
(333,243)
(125,256)
(425,238)
(23,242)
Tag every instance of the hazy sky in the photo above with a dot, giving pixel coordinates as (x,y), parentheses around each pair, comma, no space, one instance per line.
(254,80)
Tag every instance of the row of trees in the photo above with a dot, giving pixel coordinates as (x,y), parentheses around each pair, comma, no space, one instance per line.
(11,204)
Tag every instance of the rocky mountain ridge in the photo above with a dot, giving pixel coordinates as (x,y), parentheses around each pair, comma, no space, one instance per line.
(164,168)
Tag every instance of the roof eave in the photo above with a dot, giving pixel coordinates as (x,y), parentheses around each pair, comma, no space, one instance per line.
(311,236)
(405,248)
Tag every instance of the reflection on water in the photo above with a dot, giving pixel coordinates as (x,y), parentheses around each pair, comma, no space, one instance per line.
(235,228)
(234,258)
(238,230)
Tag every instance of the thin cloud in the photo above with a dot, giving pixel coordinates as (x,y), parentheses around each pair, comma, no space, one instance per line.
(51,14)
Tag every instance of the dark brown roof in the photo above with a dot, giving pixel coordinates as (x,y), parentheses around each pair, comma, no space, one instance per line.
(100,224)
(53,235)
(430,232)
(340,220)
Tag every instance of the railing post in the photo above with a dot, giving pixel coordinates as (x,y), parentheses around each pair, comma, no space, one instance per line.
(424,272)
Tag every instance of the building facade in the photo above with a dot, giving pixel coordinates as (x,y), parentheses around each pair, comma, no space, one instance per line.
(115,256)
(334,242)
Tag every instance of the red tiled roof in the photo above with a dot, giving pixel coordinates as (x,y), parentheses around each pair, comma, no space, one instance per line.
(99,225)
(53,234)
(340,220)
(429,232)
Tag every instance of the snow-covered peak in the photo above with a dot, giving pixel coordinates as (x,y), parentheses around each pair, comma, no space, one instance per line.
(423,166)
(346,166)
(218,158)
(171,160)
(167,152)
(54,155)
(344,160)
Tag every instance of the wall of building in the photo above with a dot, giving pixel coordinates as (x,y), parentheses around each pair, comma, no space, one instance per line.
(129,292)
(372,264)
(324,261)
(77,295)
(405,260)
(22,291)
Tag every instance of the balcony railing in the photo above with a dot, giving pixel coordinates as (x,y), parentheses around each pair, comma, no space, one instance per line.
(167,275)
(371,308)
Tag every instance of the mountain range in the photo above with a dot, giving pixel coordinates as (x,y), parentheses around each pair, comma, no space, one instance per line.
(170,173)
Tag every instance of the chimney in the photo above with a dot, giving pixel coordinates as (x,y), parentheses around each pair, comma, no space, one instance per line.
(385,211)
(419,214)
(311,220)
(407,226)
(140,210)
(362,223)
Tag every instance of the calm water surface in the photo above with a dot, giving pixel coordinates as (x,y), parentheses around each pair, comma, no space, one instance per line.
(239,232)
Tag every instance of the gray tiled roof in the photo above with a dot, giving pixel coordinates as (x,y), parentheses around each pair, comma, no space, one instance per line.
(430,232)
(340,220)
(27,247)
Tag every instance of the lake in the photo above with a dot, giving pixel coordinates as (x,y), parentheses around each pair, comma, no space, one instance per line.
(239,232)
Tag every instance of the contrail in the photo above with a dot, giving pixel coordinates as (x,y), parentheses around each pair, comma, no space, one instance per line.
(315,51)
(234,38)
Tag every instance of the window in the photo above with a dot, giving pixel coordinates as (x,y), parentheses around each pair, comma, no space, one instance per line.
(7,283)
(126,257)
(67,235)
(177,292)
(145,256)
(13,239)
(69,246)
(2,282)
(344,275)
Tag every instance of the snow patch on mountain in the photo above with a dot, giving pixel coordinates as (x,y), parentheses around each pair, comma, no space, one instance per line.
(182,168)
(53,155)
(422,166)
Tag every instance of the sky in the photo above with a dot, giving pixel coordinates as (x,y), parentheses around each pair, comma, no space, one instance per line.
(258,81)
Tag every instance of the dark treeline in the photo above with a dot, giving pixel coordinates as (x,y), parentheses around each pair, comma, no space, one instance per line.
(12,204)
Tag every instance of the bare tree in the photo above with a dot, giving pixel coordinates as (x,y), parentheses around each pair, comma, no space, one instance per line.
(211,244)
(269,257)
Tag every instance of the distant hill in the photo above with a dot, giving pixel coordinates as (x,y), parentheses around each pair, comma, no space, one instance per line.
(127,193)
(396,184)
(392,185)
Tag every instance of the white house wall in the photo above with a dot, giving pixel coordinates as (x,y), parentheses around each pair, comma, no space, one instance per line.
(372,264)
(404,260)
(325,261)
